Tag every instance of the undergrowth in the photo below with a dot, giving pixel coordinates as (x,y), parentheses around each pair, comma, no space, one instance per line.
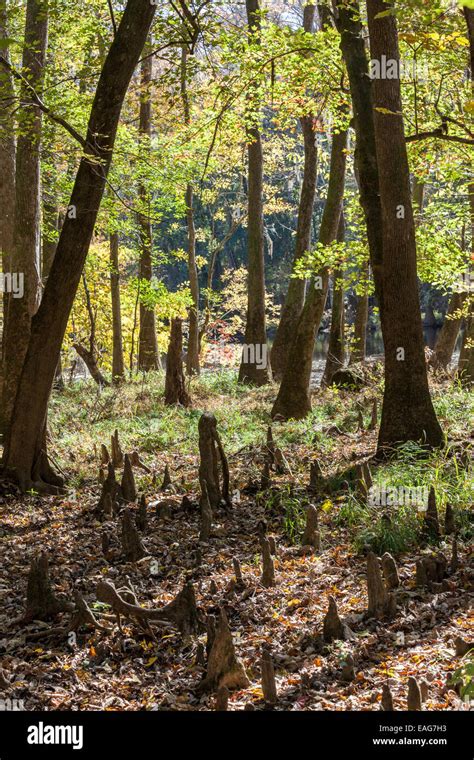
(84,416)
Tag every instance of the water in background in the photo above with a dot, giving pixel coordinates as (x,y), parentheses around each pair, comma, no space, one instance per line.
(374,347)
(374,342)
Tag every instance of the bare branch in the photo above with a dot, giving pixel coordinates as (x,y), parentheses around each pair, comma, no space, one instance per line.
(112,16)
(439,135)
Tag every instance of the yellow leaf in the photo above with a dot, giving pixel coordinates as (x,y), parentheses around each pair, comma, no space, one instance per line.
(408,37)
(388,112)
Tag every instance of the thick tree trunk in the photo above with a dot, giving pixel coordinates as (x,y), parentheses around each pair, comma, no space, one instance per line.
(148,357)
(296,287)
(7,180)
(24,443)
(51,223)
(192,357)
(446,341)
(118,369)
(358,352)
(254,367)
(353,50)
(26,236)
(407,412)
(294,398)
(294,300)
(336,348)
(350,28)
(466,358)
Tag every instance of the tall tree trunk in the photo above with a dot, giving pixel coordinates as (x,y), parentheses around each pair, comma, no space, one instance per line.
(358,352)
(296,287)
(148,357)
(359,343)
(336,348)
(50,227)
(349,25)
(254,367)
(24,446)
(192,357)
(118,368)
(7,181)
(407,412)
(466,358)
(294,399)
(26,236)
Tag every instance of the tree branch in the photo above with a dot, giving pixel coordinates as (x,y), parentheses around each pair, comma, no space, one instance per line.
(112,16)
(439,135)
(36,100)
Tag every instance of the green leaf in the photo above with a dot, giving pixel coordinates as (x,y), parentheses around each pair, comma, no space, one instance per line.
(389,12)
(6,42)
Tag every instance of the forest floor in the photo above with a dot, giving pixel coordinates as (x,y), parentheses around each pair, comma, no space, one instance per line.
(130,671)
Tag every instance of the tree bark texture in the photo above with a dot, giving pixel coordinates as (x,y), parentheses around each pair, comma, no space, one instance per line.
(192,357)
(24,444)
(407,412)
(118,367)
(148,358)
(252,370)
(294,300)
(294,400)
(336,348)
(25,258)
